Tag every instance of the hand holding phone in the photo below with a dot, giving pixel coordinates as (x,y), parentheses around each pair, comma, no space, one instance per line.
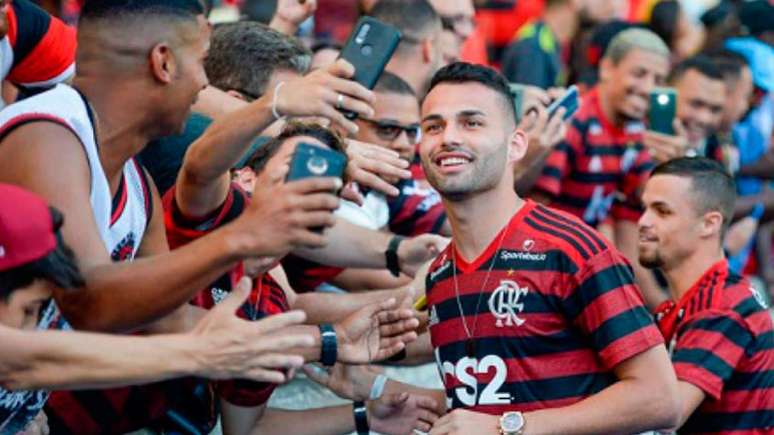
(662,110)
(570,101)
(368,48)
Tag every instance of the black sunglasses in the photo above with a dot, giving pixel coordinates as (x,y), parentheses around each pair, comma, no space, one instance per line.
(389,130)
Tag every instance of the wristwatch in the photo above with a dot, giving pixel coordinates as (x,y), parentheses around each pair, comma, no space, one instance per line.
(512,423)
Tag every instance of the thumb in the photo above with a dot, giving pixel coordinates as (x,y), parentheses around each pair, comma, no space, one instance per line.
(341,68)
(677,125)
(316,373)
(237,297)
(396,399)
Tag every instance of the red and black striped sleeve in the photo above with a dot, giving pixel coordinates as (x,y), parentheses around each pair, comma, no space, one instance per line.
(708,349)
(183,229)
(606,305)
(43,46)
(559,162)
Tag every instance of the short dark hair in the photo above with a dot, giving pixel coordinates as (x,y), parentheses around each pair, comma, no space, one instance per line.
(122,9)
(390,83)
(244,55)
(415,19)
(729,63)
(701,63)
(463,72)
(714,188)
(663,20)
(59,267)
(262,155)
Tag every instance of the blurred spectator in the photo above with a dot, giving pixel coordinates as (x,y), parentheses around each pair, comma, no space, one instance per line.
(38,50)
(457,21)
(720,22)
(419,54)
(682,36)
(597,173)
(535,57)
(701,94)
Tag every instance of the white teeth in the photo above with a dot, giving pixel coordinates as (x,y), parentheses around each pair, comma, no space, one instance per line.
(451,161)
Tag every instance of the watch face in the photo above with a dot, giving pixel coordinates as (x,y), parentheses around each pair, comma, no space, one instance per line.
(512,421)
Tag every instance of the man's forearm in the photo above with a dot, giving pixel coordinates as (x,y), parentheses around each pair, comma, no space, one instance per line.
(215,103)
(75,360)
(350,245)
(225,141)
(117,295)
(332,307)
(334,420)
(619,408)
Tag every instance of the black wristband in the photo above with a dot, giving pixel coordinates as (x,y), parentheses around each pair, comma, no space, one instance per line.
(328,345)
(360,413)
(391,255)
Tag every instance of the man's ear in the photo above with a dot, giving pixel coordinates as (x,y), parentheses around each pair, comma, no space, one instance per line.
(163,63)
(712,224)
(236,94)
(427,50)
(517,145)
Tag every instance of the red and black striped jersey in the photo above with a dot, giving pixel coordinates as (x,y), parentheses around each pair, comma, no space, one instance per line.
(722,341)
(416,210)
(597,171)
(558,312)
(267,297)
(38,50)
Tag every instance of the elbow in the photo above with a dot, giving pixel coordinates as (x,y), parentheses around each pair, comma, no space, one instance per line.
(664,405)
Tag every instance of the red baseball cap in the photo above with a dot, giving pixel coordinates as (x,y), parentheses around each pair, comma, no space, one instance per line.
(27,230)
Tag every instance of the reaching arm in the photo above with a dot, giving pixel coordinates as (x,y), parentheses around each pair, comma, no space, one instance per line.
(220,346)
(215,103)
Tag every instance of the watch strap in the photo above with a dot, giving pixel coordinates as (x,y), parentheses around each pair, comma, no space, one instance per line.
(360,414)
(328,345)
(391,255)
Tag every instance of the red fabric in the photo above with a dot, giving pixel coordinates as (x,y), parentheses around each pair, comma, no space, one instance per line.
(26,228)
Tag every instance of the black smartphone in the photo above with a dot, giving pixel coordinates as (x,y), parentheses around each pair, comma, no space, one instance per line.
(368,48)
(570,101)
(315,161)
(663,107)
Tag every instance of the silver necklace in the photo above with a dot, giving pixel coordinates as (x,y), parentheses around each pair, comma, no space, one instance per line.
(470,345)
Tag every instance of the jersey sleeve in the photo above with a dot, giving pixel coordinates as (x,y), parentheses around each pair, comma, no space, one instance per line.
(559,163)
(708,348)
(43,46)
(628,204)
(607,307)
(183,229)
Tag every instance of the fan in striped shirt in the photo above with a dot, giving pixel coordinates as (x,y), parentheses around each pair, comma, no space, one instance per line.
(720,332)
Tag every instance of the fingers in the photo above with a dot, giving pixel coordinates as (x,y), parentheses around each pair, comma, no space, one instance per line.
(279,361)
(318,201)
(399,327)
(314,184)
(394,315)
(236,297)
(285,342)
(278,321)
(340,100)
(384,164)
(263,375)
(351,88)
(351,193)
(341,68)
(396,399)
(374,182)
(316,374)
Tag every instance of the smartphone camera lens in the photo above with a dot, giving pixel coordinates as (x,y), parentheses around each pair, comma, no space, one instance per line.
(366,50)
(317,165)
(663,99)
(361,35)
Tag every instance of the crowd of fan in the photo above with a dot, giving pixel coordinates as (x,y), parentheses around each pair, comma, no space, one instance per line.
(147,227)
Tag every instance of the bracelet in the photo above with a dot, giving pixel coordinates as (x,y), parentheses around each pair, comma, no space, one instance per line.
(391,256)
(329,345)
(361,418)
(274,100)
(377,389)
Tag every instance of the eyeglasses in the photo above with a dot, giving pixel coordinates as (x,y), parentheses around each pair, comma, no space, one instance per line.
(390,130)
